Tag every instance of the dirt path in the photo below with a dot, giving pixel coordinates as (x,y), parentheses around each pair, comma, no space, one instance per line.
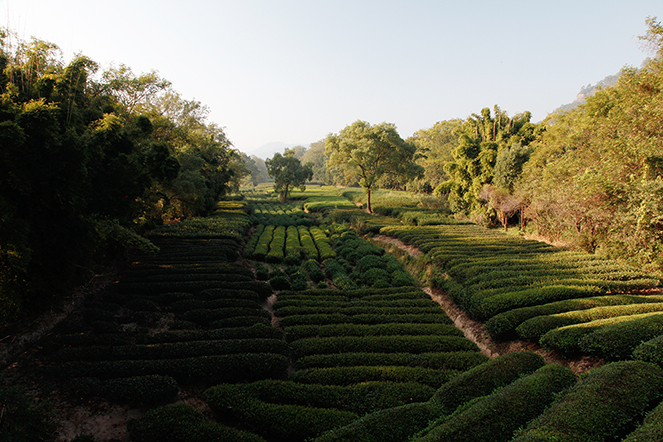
(476,332)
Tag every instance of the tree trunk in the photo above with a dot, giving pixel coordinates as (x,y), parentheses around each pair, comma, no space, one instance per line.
(368,200)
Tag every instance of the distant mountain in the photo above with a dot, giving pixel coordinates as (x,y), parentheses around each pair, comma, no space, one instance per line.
(588,91)
(268,150)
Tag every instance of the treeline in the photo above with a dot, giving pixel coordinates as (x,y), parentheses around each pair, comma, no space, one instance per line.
(590,177)
(90,159)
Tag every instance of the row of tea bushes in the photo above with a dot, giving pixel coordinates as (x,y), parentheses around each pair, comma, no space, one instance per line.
(403,422)
(368,322)
(270,212)
(291,411)
(516,397)
(378,357)
(188,315)
(492,275)
(276,244)
(363,264)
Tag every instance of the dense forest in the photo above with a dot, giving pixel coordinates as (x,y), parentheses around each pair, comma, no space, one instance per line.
(89,161)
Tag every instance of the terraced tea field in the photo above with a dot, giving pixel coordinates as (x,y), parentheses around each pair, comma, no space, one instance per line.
(277,323)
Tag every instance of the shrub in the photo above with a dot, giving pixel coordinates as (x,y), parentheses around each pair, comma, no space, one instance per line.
(618,341)
(183,423)
(483,379)
(461,360)
(23,419)
(497,416)
(290,422)
(262,272)
(308,245)
(359,374)
(395,424)
(536,327)
(141,390)
(603,405)
(280,283)
(650,351)
(651,429)
(277,246)
(376,277)
(312,269)
(567,339)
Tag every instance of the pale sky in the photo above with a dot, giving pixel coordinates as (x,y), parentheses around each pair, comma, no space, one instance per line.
(293,71)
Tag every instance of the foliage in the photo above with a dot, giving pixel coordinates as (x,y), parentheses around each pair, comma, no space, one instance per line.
(603,405)
(368,153)
(288,173)
(495,417)
(182,422)
(24,419)
(594,179)
(90,161)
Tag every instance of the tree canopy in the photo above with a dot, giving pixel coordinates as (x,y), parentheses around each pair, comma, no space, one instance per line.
(288,172)
(89,161)
(368,153)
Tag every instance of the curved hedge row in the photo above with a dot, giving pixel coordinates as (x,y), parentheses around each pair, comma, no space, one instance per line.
(359,374)
(603,405)
(308,331)
(504,324)
(618,341)
(651,429)
(178,422)
(244,367)
(395,424)
(339,318)
(567,339)
(534,328)
(453,360)
(173,350)
(483,379)
(401,423)
(357,398)
(496,417)
(381,344)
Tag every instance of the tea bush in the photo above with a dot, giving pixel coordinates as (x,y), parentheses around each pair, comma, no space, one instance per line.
(603,405)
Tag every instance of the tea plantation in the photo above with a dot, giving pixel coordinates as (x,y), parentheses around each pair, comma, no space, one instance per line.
(285,323)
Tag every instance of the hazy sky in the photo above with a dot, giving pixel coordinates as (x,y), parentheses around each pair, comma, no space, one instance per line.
(293,71)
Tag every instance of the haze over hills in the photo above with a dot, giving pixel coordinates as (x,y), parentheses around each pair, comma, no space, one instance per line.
(268,150)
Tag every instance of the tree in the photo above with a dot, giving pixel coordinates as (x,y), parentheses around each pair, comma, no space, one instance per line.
(288,172)
(316,155)
(481,140)
(366,153)
(434,149)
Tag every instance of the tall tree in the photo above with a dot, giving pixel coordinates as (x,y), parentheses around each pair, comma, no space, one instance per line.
(434,149)
(288,172)
(368,152)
